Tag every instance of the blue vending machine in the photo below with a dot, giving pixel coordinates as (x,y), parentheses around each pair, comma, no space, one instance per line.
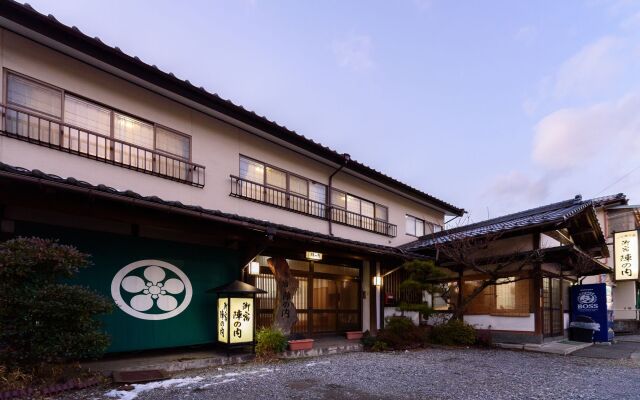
(589,311)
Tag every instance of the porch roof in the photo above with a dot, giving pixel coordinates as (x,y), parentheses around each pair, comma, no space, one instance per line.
(12,173)
(574,214)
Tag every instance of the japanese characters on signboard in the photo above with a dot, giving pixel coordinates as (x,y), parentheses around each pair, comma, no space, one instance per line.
(223,319)
(626,255)
(235,320)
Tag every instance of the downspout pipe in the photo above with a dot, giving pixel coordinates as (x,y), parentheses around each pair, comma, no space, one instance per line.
(345,160)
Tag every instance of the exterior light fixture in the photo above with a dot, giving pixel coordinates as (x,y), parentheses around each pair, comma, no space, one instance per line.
(254,268)
(236,314)
(377,280)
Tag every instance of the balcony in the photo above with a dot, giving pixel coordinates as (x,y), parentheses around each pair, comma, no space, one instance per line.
(256,192)
(42,131)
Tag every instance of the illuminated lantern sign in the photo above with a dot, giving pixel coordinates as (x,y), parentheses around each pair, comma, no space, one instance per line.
(235,320)
(236,314)
(626,255)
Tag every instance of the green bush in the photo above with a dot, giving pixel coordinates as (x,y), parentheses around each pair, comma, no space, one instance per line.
(453,333)
(269,342)
(43,320)
(367,340)
(401,333)
(379,345)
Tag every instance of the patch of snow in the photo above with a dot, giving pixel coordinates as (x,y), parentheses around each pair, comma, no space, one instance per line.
(216,383)
(314,363)
(139,388)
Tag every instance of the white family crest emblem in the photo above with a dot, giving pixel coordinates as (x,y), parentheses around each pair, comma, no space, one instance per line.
(151,290)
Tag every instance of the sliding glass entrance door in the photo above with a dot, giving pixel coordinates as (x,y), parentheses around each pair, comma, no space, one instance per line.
(327,300)
(553,319)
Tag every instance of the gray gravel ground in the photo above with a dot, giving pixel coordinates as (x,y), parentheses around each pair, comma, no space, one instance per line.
(422,374)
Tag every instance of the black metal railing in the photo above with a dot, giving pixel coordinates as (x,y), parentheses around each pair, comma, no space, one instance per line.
(33,128)
(249,190)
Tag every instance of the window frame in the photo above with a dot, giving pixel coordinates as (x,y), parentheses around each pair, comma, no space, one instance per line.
(5,79)
(416,219)
(361,199)
(425,223)
(113,110)
(328,193)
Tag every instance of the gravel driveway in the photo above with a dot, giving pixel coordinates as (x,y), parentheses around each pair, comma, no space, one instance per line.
(423,374)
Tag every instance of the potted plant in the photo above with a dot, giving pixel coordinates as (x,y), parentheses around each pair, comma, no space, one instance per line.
(298,342)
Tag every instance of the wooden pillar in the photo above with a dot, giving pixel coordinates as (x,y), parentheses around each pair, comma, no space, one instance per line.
(537,295)
(373,298)
(460,289)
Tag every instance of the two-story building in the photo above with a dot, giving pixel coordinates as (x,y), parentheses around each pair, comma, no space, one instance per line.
(173,190)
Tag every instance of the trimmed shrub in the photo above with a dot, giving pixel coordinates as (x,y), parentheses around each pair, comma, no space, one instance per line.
(379,345)
(453,333)
(269,342)
(401,333)
(43,320)
(367,340)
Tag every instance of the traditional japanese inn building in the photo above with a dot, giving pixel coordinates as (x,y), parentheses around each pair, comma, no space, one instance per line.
(539,253)
(174,190)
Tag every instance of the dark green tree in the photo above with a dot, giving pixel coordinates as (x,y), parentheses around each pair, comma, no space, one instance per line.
(423,276)
(43,319)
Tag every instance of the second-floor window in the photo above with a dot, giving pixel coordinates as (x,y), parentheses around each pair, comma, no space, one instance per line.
(261,182)
(283,188)
(79,125)
(419,227)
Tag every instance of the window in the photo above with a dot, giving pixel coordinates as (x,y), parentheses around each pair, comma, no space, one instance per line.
(507,297)
(276,178)
(93,118)
(299,186)
(414,226)
(34,96)
(251,170)
(86,115)
(90,129)
(262,182)
(173,143)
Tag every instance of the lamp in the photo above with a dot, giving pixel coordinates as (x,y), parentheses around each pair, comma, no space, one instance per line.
(377,280)
(236,314)
(254,268)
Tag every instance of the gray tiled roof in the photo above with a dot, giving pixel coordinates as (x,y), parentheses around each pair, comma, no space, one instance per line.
(551,213)
(606,200)
(71,36)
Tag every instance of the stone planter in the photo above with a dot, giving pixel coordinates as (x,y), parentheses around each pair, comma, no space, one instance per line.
(302,344)
(354,335)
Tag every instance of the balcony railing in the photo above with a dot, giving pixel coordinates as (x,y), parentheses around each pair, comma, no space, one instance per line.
(279,198)
(47,132)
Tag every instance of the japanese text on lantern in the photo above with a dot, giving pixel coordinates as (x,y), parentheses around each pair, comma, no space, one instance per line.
(626,255)
(223,319)
(241,313)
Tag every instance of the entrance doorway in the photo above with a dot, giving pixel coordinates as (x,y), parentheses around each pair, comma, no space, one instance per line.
(327,299)
(553,318)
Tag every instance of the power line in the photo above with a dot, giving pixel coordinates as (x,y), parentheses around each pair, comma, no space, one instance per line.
(618,180)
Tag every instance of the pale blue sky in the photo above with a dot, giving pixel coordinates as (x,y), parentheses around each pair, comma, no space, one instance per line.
(494,106)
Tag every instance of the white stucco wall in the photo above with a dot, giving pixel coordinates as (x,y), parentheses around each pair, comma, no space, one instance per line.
(501,323)
(215,144)
(624,300)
